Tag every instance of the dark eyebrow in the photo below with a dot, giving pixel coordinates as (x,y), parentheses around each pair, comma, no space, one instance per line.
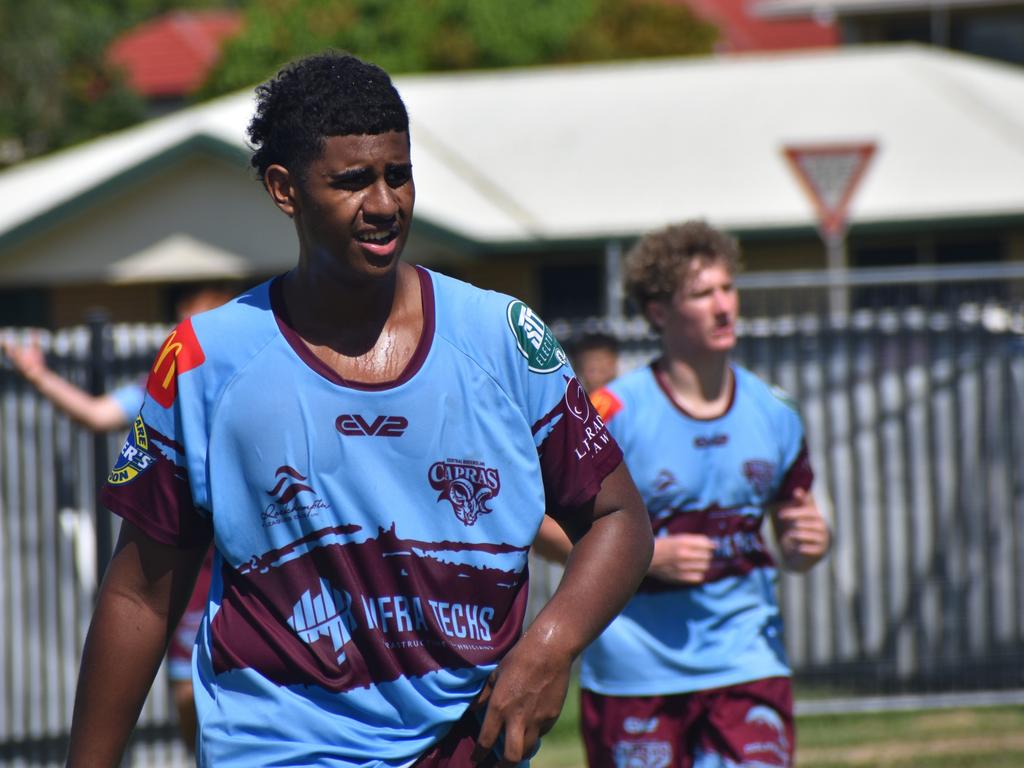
(352,174)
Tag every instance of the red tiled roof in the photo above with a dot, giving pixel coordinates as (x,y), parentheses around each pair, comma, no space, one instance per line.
(741,31)
(172,54)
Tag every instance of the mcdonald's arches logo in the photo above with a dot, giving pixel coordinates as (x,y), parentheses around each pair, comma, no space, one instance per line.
(181,352)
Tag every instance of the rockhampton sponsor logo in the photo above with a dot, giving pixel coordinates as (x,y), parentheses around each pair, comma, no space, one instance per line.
(134,458)
(536,343)
(289,503)
(465,484)
(354,425)
(642,754)
(326,613)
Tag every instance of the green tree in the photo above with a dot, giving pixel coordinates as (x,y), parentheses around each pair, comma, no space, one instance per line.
(56,88)
(434,35)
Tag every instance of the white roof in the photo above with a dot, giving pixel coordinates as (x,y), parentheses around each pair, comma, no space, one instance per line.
(780,8)
(598,151)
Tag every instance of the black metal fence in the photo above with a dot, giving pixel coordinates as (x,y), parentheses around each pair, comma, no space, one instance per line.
(914,406)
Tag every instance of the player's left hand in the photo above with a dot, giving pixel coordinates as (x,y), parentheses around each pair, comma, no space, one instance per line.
(803,534)
(523,697)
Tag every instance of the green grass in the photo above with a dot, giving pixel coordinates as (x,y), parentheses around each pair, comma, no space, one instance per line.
(992,737)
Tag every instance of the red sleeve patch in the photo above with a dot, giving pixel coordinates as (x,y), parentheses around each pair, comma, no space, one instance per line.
(606,403)
(181,352)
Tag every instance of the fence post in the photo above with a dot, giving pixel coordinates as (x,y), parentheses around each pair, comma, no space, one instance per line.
(98,321)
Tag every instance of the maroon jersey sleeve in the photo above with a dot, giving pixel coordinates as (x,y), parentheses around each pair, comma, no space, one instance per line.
(799,475)
(577,451)
(149,483)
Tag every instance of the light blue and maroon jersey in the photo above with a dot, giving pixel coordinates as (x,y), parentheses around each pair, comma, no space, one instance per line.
(371,541)
(710,476)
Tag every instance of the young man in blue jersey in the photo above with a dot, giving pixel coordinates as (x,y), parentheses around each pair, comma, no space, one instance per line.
(371,447)
(693,672)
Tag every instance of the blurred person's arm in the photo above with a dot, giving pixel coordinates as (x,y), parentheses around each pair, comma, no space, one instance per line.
(682,558)
(144,592)
(552,543)
(801,531)
(100,413)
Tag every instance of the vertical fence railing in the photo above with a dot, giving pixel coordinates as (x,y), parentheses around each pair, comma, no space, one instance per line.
(52,550)
(914,408)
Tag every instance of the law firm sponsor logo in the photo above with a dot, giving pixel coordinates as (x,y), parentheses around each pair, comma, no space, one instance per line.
(576,400)
(592,436)
(355,425)
(467,485)
(289,503)
(134,458)
(536,343)
(181,352)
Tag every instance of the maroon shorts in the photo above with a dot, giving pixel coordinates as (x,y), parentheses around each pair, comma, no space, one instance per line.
(745,723)
(179,652)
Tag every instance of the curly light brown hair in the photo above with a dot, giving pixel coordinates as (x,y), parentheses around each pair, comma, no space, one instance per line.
(661,260)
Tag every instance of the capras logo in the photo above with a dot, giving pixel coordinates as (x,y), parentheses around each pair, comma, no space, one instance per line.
(382,426)
(759,474)
(467,485)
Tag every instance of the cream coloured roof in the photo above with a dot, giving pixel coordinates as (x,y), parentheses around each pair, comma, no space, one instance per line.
(612,150)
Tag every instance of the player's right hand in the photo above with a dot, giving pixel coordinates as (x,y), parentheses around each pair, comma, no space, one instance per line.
(683,558)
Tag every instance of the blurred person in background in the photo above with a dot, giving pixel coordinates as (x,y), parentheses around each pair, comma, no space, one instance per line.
(117,409)
(370,553)
(595,356)
(693,672)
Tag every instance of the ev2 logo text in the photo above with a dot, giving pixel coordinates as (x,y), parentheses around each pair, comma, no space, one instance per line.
(382,426)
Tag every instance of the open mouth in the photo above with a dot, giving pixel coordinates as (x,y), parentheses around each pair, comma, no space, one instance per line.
(378,236)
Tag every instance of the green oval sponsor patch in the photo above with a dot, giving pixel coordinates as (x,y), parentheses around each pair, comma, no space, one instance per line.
(537,344)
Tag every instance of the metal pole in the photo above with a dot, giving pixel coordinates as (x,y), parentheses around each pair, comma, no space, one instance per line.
(835,258)
(98,322)
(614,295)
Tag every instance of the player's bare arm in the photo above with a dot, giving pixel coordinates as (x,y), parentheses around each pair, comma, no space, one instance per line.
(802,532)
(609,559)
(144,591)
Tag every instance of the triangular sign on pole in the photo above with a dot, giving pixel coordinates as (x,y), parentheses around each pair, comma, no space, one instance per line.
(830,174)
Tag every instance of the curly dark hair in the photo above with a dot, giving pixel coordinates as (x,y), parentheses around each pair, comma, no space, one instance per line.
(328,94)
(659,261)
